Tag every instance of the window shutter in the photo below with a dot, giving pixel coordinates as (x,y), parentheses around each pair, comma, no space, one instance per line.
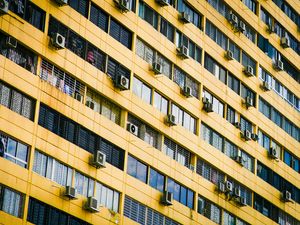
(5,95)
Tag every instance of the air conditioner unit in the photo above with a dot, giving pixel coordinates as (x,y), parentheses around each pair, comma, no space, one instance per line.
(285,42)
(237,192)
(266,86)
(167,198)
(287,196)
(162,2)
(90,104)
(273,153)
(77,96)
(228,186)
(208,107)
(248,102)
(4,5)
(221,187)
(123,5)
(11,42)
(229,55)
(61,2)
(246,135)
(233,19)
(237,125)
(238,158)
(278,65)
(157,68)
(185,17)
(70,192)
(121,82)
(270,28)
(92,204)
(58,41)
(98,159)
(248,70)
(242,26)
(187,91)
(254,137)
(242,201)
(183,52)
(170,120)
(133,129)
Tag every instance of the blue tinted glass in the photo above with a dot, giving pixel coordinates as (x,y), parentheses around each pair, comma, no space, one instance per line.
(131,166)
(176,193)
(190,199)
(153,178)
(141,172)
(287,158)
(183,195)
(160,182)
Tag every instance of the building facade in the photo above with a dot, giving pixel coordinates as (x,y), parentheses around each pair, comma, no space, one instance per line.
(149,112)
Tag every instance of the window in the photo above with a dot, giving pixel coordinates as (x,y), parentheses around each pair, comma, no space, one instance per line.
(228,219)
(265,207)
(196,18)
(107,197)
(11,201)
(182,79)
(141,90)
(235,50)
(49,119)
(247,92)
(183,118)
(60,79)
(42,214)
(232,115)
(291,160)
(280,120)
(251,4)
(13,150)
(245,192)
(215,68)
(148,14)
(277,181)
(177,152)
(209,172)
(16,101)
(194,50)
(167,29)
(116,69)
(104,106)
(52,169)
(246,124)
(248,61)
(220,6)
(99,17)
(180,193)
(29,12)
(120,33)
(218,106)
(215,34)
(19,55)
(146,133)
(80,6)
(137,169)
(84,185)
(279,88)
(156,180)
(209,210)
(137,212)
(288,10)
(160,102)
(233,83)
